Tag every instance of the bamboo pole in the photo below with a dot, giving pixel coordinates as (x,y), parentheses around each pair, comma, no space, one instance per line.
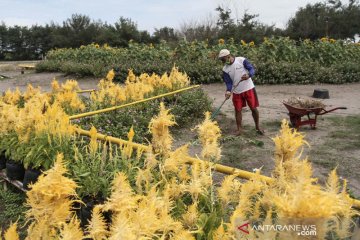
(229,170)
(86,90)
(190,160)
(81,115)
(111,139)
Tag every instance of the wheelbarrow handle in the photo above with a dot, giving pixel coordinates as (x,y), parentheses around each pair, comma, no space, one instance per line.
(327,111)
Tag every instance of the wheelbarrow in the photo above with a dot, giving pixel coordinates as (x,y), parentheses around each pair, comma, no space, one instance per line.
(296,114)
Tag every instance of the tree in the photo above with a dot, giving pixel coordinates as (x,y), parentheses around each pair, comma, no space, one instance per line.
(3,40)
(165,33)
(333,19)
(79,30)
(204,30)
(125,30)
(225,23)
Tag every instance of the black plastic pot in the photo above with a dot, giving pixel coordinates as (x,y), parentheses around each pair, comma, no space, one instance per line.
(31,175)
(2,161)
(85,211)
(15,170)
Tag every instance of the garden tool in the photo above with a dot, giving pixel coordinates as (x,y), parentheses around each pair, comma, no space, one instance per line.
(216,112)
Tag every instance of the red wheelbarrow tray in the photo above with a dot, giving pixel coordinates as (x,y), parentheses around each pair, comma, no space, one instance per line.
(296,113)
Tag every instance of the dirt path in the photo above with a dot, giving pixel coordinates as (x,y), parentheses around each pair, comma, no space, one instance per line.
(240,152)
(271,97)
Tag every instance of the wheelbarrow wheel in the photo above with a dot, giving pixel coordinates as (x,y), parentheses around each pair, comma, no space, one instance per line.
(294,120)
(293,124)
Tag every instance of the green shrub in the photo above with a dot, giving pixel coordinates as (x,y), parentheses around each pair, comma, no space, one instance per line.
(186,107)
(277,60)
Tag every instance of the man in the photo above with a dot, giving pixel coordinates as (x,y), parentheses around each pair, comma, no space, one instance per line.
(237,73)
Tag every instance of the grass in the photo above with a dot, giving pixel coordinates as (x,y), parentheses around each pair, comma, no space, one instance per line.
(338,143)
(247,151)
(337,146)
(340,148)
(12,209)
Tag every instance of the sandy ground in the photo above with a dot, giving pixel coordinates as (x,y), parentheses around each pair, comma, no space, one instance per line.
(271,110)
(271,97)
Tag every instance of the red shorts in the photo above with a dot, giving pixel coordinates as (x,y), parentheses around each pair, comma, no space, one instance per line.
(249,97)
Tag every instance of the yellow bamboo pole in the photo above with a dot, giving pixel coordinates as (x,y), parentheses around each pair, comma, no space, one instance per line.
(81,115)
(86,90)
(111,139)
(190,160)
(229,170)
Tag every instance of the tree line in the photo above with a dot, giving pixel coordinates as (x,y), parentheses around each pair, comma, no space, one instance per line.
(331,18)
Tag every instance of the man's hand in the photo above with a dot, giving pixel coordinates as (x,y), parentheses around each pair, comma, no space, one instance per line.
(227,95)
(245,76)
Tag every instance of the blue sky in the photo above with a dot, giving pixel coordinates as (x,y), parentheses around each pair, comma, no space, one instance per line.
(148,14)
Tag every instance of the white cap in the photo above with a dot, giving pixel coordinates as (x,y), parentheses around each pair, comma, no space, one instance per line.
(223,53)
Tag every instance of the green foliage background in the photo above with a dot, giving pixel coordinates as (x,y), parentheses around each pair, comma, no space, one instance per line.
(277,60)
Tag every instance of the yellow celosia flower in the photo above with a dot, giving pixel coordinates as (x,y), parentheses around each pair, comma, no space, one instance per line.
(200,181)
(70,85)
(50,200)
(150,160)
(209,134)
(71,230)
(127,149)
(183,235)
(122,195)
(41,229)
(294,195)
(12,98)
(250,189)
(191,216)
(9,117)
(137,90)
(178,79)
(143,180)
(55,86)
(229,189)
(221,41)
(333,184)
(67,96)
(183,173)
(131,134)
(54,122)
(287,143)
(131,77)
(159,127)
(173,189)
(110,76)
(123,228)
(176,159)
(30,92)
(93,145)
(11,233)
(97,228)
(220,233)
